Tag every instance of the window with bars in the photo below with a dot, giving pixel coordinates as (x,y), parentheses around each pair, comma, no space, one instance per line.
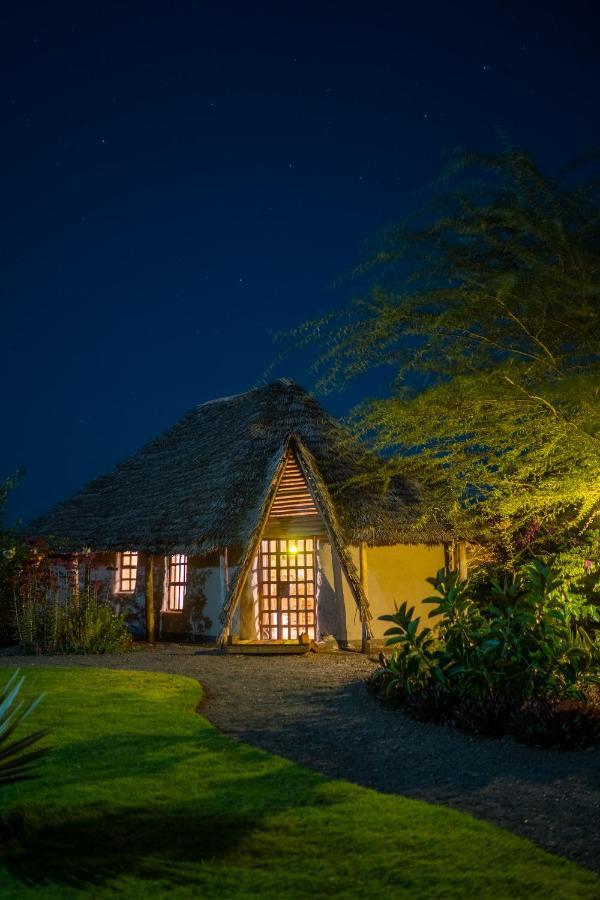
(287,589)
(176,581)
(127,572)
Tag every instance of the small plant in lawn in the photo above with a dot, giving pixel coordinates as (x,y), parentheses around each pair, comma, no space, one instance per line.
(16,758)
(518,663)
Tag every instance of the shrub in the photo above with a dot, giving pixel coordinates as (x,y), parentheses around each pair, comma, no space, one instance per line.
(567,724)
(486,664)
(54,616)
(12,553)
(483,716)
(428,705)
(579,564)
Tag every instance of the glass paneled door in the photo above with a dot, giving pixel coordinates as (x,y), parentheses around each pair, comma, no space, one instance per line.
(287,589)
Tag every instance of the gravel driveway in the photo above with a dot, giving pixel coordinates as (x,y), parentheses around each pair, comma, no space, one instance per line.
(315,710)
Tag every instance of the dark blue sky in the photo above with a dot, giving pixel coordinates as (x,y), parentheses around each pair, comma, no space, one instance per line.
(179,179)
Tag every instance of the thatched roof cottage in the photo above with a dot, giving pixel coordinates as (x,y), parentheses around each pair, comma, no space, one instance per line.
(255,518)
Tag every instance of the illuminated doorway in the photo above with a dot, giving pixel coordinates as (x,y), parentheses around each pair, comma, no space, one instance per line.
(287,579)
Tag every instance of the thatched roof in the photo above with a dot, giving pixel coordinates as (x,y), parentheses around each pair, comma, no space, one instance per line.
(202,485)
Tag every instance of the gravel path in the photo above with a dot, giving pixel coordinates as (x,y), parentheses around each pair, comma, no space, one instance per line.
(315,710)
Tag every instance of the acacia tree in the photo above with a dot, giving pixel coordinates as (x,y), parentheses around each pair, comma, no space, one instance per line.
(486,306)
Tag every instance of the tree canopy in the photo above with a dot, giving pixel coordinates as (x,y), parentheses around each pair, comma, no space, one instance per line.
(485,304)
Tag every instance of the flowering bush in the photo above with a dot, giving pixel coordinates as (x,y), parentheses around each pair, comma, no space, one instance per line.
(579,565)
(52,614)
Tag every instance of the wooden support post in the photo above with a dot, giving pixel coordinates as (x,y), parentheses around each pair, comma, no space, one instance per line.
(462,561)
(224,566)
(449,554)
(364,583)
(74,578)
(150,628)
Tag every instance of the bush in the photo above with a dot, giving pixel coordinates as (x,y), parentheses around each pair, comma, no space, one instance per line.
(54,616)
(12,553)
(568,724)
(487,664)
(579,564)
(483,716)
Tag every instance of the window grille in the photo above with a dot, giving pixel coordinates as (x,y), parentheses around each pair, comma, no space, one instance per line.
(127,573)
(287,606)
(177,582)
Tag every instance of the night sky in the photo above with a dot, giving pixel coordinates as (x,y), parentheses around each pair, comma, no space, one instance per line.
(181,179)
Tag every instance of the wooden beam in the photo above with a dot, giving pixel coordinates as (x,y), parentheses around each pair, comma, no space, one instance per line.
(364,583)
(463,569)
(449,556)
(74,578)
(150,625)
(224,571)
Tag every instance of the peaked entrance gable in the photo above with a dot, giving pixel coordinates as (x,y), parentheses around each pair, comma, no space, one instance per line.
(294,511)
(298,503)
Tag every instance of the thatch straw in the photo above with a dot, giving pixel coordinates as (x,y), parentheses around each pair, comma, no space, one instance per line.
(201,485)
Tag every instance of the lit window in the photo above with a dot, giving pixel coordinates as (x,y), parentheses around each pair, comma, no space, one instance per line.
(177,582)
(127,573)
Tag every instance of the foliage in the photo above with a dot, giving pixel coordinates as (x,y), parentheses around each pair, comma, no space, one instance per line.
(485,661)
(53,615)
(159,803)
(483,716)
(568,724)
(16,759)
(12,552)
(578,562)
(485,306)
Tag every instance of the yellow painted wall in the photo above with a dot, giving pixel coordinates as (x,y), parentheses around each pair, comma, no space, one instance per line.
(395,574)
(398,573)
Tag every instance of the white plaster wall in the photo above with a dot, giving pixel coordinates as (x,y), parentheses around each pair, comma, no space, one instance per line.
(202,605)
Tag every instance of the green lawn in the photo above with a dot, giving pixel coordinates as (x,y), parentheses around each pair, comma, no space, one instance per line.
(142,797)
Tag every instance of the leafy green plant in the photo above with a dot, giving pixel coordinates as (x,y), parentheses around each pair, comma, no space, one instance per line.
(482,662)
(414,663)
(579,563)
(16,759)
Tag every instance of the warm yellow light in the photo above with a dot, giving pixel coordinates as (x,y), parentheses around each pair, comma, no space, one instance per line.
(293,548)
